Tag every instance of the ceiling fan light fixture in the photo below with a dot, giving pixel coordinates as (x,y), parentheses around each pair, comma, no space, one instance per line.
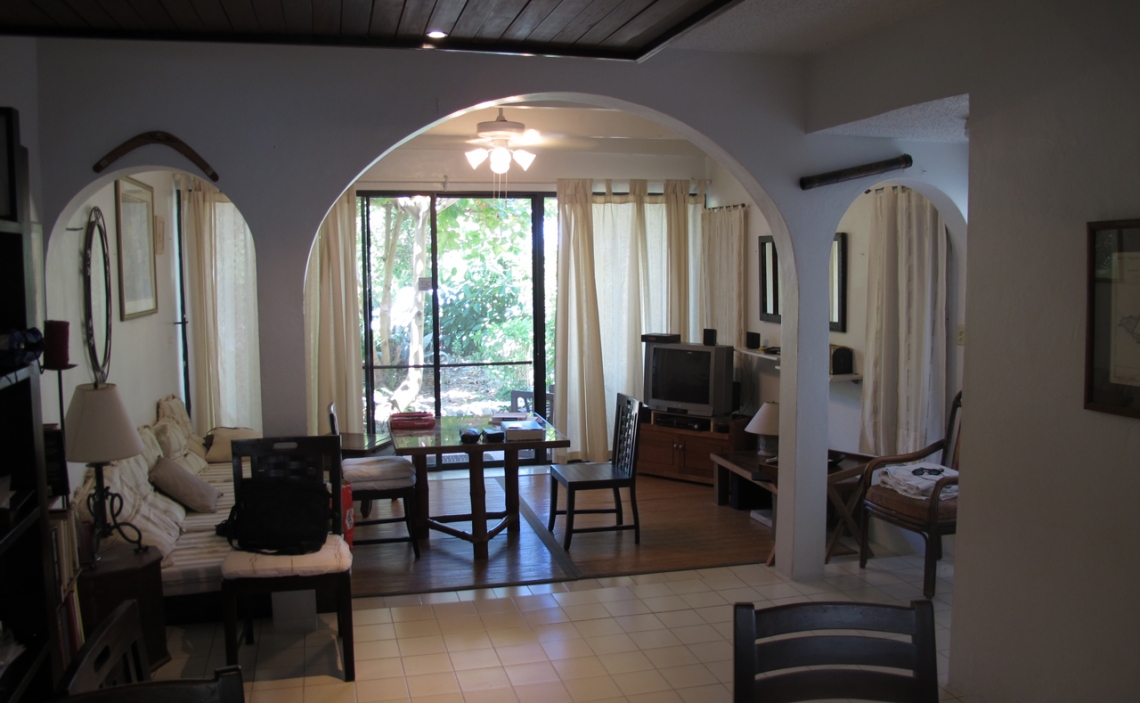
(476,157)
(500,160)
(523,158)
(436,34)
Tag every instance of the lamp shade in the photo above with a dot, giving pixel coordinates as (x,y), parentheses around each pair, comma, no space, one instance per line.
(99,430)
(766,421)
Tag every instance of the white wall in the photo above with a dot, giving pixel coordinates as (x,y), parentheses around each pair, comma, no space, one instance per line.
(18,89)
(144,350)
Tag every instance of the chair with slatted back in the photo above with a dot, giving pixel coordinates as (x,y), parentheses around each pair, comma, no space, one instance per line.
(225,687)
(620,472)
(931,517)
(378,478)
(296,459)
(114,654)
(773,647)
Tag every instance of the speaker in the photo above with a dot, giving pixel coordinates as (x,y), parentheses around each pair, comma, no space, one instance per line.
(752,340)
(841,360)
(710,338)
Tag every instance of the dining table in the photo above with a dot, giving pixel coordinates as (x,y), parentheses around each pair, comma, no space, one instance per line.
(444,438)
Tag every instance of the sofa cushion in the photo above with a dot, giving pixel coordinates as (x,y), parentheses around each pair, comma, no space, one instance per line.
(171,408)
(184,486)
(191,462)
(170,437)
(152,450)
(222,436)
(333,558)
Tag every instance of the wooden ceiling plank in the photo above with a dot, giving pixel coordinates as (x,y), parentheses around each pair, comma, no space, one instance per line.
(326,17)
(385,18)
(184,15)
(270,17)
(57,10)
(25,14)
(124,15)
(445,15)
(214,18)
(413,22)
(354,17)
(298,17)
(637,32)
(472,18)
(531,16)
(93,14)
(589,17)
(556,21)
(502,18)
(613,22)
(153,14)
(242,16)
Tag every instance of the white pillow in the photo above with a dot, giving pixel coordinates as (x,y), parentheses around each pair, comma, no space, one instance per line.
(220,450)
(170,437)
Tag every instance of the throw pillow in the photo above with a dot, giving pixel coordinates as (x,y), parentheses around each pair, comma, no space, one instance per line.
(220,450)
(170,437)
(184,487)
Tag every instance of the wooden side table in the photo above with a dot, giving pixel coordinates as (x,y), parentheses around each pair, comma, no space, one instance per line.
(121,575)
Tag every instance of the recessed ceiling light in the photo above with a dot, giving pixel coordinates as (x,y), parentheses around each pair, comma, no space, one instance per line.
(436,34)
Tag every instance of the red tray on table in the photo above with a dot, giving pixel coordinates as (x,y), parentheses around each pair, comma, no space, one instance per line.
(411,421)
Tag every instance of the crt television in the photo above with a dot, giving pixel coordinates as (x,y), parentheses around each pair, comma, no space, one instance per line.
(689,379)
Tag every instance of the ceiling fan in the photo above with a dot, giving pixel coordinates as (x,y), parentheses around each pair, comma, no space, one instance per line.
(503,137)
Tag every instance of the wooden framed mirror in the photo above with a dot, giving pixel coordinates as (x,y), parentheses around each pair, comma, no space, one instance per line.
(769,281)
(837,284)
(97,296)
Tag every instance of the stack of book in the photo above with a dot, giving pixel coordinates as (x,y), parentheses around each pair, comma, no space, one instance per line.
(65,562)
(523,431)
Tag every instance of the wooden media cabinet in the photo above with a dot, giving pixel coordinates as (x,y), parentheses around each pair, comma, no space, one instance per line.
(678,453)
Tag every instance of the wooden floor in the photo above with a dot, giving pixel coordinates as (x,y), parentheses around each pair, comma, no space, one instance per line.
(681,529)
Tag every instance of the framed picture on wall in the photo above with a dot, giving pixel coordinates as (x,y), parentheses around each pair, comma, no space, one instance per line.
(134,215)
(1112,341)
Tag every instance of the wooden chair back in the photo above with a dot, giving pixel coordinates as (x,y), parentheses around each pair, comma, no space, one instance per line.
(334,427)
(953,434)
(918,683)
(306,459)
(627,421)
(226,687)
(115,654)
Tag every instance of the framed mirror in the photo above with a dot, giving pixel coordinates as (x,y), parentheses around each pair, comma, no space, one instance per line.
(770,286)
(97,295)
(134,215)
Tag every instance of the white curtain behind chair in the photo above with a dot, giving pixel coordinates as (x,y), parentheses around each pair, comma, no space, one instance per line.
(222,308)
(333,355)
(904,391)
(723,277)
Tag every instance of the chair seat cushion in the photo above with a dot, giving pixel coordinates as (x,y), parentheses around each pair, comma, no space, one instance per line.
(916,508)
(333,558)
(379,473)
(586,473)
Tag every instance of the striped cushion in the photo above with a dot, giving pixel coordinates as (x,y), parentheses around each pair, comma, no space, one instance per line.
(334,557)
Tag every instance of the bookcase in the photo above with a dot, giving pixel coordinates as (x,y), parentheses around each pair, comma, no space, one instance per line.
(29,592)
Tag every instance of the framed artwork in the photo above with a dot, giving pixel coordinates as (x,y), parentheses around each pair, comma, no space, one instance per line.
(134,215)
(1112,341)
(769,281)
(837,284)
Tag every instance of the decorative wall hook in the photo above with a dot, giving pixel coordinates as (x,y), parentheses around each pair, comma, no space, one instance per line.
(164,138)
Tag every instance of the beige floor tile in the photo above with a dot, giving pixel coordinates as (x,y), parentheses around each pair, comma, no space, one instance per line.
(417,628)
(503,621)
(556,631)
(694,585)
(522,654)
(703,600)
(483,679)
(655,578)
(367,603)
(596,688)
(457,609)
(440,597)
(391,689)
(716,613)
(722,670)
(696,634)
(567,649)
(491,606)
(611,644)
(375,616)
(680,618)
(615,581)
(576,598)
(654,639)
(651,590)
(597,628)
(512,591)
(583,585)
(282,658)
(633,606)
(281,695)
(537,588)
(474,659)
(512,636)
(688,676)
(464,641)
(324,680)
(441,698)
(493,695)
(614,593)
(714,693)
(587,611)
(535,602)
(625,662)
(636,682)
(378,649)
(535,672)
(370,669)
(461,623)
(665,603)
(274,641)
(639,623)
(580,668)
(776,590)
(712,651)
(398,601)
(270,679)
(408,613)
(666,657)
(432,684)
(545,616)
(426,664)
(548,692)
(422,645)
(477,594)
(368,633)
(331,693)
(655,697)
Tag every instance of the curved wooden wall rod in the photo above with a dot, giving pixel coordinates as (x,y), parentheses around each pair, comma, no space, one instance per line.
(155,138)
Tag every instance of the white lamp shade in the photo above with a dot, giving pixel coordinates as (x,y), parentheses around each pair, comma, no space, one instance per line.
(500,160)
(99,430)
(766,421)
(523,158)
(476,157)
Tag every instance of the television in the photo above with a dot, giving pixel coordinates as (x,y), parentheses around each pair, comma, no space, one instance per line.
(688,379)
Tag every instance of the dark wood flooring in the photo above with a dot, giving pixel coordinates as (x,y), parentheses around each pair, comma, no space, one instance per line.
(681,529)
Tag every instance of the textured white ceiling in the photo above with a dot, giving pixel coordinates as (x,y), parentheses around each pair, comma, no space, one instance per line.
(796,27)
(935,121)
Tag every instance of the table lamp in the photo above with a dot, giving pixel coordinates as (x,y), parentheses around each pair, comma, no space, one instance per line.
(766,424)
(99,431)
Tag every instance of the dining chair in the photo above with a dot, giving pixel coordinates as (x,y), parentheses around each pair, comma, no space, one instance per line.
(619,472)
(225,687)
(773,649)
(114,654)
(293,459)
(377,478)
(930,517)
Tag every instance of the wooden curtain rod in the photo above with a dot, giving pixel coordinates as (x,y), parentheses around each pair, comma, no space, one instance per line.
(728,207)
(850,174)
(164,138)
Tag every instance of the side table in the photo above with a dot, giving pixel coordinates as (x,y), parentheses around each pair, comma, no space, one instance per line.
(121,575)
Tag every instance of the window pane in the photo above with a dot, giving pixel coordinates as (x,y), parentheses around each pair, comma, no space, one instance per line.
(402,390)
(550,283)
(484,390)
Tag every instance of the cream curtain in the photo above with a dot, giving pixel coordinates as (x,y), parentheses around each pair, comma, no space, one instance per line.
(904,394)
(677,226)
(724,280)
(222,308)
(333,354)
(580,401)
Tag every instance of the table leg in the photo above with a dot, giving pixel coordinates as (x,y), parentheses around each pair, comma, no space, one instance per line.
(720,484)
(422,512)
(772,554)
(511,471)
(478,505)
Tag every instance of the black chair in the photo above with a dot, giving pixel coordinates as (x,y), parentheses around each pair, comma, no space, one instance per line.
(916,682)
(114,654)
(620,472)
(304,459)
(377,478)
(226,687)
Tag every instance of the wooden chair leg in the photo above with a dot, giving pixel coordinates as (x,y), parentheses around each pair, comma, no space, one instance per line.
(410,520)
(344,623)
(865,528)
(365,507)
(229,616)
(569,517)
(933,552)
(636,519)
(553,504)
(617,505)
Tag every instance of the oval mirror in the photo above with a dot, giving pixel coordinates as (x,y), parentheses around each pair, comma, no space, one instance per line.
(97,296)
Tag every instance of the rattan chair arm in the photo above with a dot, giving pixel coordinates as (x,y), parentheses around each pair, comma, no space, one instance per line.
(936,495)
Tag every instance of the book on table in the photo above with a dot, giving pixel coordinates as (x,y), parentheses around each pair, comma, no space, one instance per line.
(524,430)
(500,418)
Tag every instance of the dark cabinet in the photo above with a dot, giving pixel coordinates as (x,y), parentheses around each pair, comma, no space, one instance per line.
(683,454)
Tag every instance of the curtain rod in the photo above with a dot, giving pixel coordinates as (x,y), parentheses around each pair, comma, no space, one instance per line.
(727,207)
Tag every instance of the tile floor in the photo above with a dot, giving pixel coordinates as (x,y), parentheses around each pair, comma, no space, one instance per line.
(659,638)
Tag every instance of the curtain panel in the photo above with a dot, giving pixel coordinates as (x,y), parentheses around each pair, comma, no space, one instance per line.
(723,275)
(333,354)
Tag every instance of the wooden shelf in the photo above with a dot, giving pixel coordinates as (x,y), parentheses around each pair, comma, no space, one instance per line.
(758,354)
(853,377)
(7,539)
(13,376)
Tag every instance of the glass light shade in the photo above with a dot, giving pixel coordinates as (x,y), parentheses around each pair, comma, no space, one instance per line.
(436,34)
(523,158)
(476,157)
(500,160)
(766,421)
(99,429)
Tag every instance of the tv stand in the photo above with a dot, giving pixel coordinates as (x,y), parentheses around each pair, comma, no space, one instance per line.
(669,448)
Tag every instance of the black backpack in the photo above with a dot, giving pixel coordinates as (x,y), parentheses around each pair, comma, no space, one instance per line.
(279,517)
